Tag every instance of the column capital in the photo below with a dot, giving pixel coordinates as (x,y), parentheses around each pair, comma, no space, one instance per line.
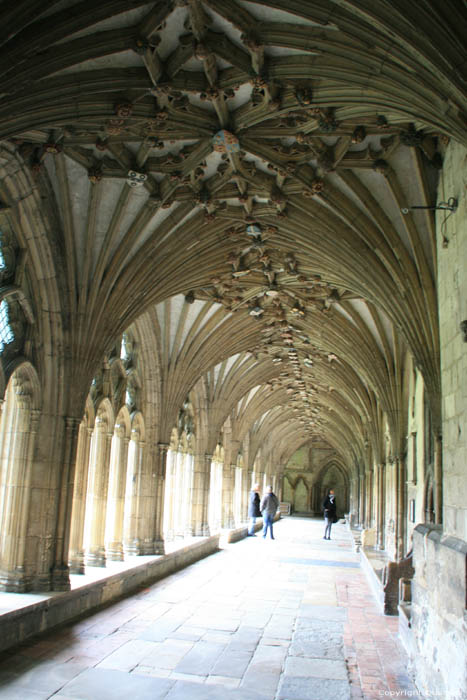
(163,447)
(119,430)
(72,423)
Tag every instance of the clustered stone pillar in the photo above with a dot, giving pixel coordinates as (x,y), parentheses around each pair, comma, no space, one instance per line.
(204,525)
(97,495)
(400,506)
(368,500)
(117,490)
(147,499)
(438,479)
(79,501)
(228,473)
(361,499)
(61,571)
(172,461)
(380,514)
(14,575)
(246,488)
(159,547)
(131,534)
(198,525)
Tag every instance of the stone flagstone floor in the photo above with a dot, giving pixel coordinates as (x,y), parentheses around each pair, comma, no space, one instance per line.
(289,619)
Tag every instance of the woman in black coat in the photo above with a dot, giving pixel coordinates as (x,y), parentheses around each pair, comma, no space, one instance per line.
(330,513)
(253,509)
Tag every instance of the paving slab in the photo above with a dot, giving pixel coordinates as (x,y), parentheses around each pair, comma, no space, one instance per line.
(323,612)
(246,638)
(200,659)
(167,654)
(45,676)
(109,684)
(232,663)
(318,641)
(333,669)
(129,655)
(292,688)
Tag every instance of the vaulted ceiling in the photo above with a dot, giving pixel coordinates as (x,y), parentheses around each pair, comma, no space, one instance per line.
(238,170)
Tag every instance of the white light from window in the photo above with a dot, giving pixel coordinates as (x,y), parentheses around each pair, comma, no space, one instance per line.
(6,334)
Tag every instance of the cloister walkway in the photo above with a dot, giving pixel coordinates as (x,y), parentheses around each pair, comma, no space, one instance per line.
(289,619)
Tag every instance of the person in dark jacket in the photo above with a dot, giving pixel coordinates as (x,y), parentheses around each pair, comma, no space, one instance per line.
(253,509)
(330,513)
(268,507)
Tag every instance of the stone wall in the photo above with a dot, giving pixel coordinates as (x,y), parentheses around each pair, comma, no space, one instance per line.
(452,290)
(439,619)
(439,595)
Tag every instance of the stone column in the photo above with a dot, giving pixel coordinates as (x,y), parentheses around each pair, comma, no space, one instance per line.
(76,556)
(247,476)
(187,493)
(169,494)
(380,510)
(400,509)
(228,473)
(96,508)
(259,478)
(372,497)
(117,491)
(196,515)
(15,576)
(203,488)
(438,479)
(131,540)
(361,500)
(179,497)
(147,499)
(159,547)
(61,570)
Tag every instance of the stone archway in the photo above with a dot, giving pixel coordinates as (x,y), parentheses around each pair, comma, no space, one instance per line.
(301,497)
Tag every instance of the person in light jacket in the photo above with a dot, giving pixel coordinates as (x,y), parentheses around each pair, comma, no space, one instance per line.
(268,507)
(253,509)
(330,513)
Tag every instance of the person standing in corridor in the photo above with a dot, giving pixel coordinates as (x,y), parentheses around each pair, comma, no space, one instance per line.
(330,513)
(268,507)
(253,509)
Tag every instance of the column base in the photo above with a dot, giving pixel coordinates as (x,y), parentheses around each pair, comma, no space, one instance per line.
(114,552)
(14,582)
(76,563)
(151,548)
(132,548)
(95,558)
(159,547)
(228,524)
(202,530)
(61,578)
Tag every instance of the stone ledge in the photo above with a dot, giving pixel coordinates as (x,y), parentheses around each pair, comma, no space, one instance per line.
(405,629)
(373,563)
(58,608)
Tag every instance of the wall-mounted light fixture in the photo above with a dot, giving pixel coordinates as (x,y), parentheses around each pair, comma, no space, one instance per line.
(450,205)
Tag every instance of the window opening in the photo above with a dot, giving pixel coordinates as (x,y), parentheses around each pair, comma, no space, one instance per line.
(6,333)
(125,350)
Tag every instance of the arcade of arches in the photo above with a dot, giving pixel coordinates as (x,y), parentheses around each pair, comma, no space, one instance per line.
(212,274)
